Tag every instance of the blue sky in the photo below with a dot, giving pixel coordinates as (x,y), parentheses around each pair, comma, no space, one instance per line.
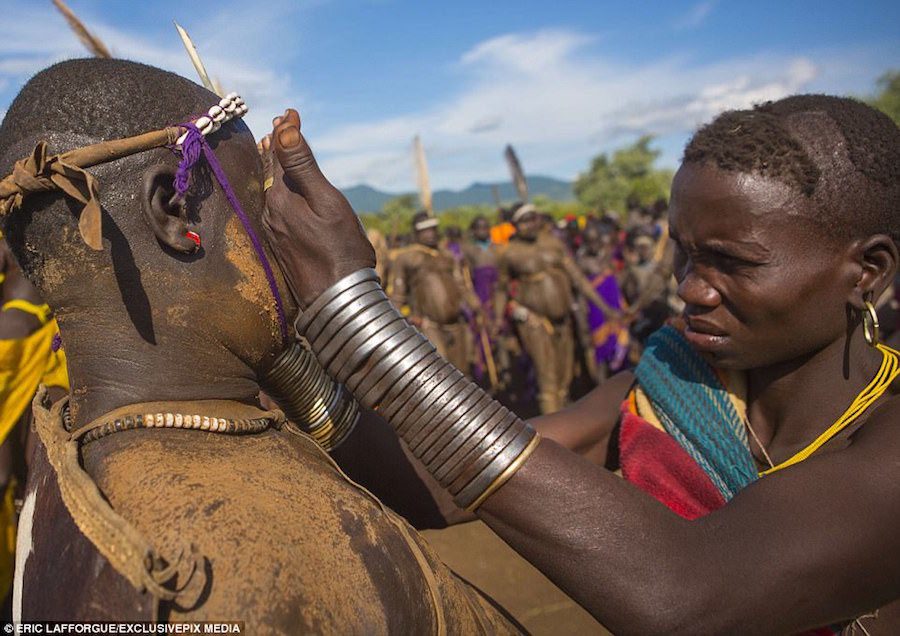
(561,80)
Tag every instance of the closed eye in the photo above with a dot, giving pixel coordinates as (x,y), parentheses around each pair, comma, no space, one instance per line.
(725,262)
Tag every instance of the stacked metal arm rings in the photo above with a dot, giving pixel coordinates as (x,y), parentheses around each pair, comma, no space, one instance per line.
(309,398)
(468,441)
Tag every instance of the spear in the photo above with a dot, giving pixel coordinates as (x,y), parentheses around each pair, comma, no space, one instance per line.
(195,59)
(90,41)
(518,175)
(422,175)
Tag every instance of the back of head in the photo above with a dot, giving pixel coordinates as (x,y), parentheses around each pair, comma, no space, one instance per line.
(419,217)
(637,234)
(837,152)
(137,290)
(73,104)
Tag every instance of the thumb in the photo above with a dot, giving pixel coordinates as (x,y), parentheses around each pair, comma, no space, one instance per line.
(296,157)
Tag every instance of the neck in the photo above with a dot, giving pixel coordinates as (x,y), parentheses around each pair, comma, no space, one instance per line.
(182,367)
(790,404)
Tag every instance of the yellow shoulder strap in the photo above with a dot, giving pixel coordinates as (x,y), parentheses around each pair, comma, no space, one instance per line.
(41,312)
(645,409)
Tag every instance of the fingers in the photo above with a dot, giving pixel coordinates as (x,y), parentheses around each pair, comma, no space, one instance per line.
(295,155)
(268,160)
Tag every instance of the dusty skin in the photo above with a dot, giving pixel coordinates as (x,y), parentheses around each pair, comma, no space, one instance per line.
(280,538)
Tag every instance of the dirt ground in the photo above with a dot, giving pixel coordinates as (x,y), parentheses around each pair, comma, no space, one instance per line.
(480,557)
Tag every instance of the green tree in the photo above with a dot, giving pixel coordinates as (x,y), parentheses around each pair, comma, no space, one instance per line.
(559,209)
(888,99)
(395,216)
(463,215)
(627,175)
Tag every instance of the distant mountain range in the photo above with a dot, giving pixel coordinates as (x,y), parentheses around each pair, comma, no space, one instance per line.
(365,198)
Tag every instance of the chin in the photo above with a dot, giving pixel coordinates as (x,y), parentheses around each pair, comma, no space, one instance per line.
(725,357)
(725,361)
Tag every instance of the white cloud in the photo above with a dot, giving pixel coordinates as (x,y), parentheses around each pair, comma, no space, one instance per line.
(39,37)
(695,16)
(547,92)
(557,103)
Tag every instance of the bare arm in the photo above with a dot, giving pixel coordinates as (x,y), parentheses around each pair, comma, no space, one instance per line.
(580,281)
(462,274)
(586,426)
(398,287)
(501,290)
(374,457)
(639,568)
(656,287)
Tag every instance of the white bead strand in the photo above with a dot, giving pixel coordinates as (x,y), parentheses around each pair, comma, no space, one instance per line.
(229,107)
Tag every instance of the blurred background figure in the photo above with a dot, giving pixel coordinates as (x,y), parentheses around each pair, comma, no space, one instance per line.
(480,271)
(382,252)
(28,358)
(609,338)
(428,281)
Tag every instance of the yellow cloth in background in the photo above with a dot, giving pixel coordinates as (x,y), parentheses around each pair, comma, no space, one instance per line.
(26,363)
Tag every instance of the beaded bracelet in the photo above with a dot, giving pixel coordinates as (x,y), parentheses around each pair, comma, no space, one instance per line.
(467,440)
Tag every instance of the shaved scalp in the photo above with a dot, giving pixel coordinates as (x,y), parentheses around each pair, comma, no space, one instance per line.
(77,103)
(840,154)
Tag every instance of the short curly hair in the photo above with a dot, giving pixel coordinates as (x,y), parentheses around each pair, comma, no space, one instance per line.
(75,103)
(838,151)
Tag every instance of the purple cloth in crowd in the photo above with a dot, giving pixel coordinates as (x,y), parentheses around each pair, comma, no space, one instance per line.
(610,340)
(484,279)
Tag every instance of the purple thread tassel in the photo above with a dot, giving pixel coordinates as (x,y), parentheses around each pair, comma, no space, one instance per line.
(193,145)
(56,344)
(190,154)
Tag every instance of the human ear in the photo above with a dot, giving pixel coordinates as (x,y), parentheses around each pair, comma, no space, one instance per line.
(878,258)
(164,210)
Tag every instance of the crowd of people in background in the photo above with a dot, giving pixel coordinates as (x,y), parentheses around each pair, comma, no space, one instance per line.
(538,309)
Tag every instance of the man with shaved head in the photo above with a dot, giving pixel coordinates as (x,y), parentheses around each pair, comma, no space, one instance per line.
(160,489)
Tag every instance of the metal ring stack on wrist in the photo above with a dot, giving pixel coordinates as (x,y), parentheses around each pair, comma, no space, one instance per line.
(309,398)
(467,440)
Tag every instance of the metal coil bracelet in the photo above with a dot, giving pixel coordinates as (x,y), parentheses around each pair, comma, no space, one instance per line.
(467,440)
(309,398)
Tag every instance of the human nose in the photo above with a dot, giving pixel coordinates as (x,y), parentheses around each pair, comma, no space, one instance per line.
(695,290)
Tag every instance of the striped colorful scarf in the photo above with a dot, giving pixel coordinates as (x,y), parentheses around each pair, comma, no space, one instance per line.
(696,409)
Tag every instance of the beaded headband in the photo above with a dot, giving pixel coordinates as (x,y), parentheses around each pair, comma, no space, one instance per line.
(66,171)
(522,211)
(426,223)
(228,108)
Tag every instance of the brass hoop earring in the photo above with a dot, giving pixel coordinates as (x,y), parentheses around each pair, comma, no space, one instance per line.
(870,324)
